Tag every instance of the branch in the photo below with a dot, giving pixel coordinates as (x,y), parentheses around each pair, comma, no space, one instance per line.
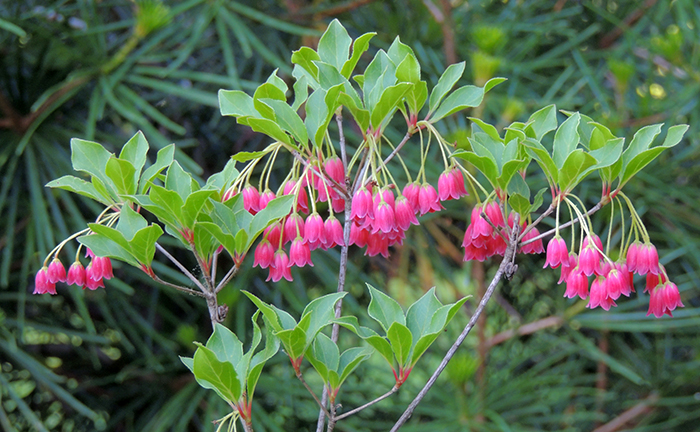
(181,267)
(546,213)
(178,287)
(593,209)
(504,269)
(231,273)
(525,329)
(301,378)
(368,404)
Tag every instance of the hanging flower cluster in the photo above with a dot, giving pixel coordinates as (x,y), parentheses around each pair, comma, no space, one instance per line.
(90,277)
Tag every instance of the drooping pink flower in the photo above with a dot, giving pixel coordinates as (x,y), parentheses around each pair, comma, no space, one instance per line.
(599,295)
(264,254)
(412,193)
(614,284)
(101,268)
(535,247)
(76,274)
(494,213)
(301,196)
(589,260)
(358,235)
(334,232)
(89,253)
(557,254)
(451,184)
(576,284)
(664,299)
(338,204)
(265,198)
(362,205)
(293,227)
(384,218)
(428,199)
(56,272)
(566,270)
(480,228)
(377,243)
(273,233)
(92,277)
(42,285)
(314,232)
(632,253)
(280,268)
(251,199)
(299,253)
(228,194)
(405,216)
(647,259)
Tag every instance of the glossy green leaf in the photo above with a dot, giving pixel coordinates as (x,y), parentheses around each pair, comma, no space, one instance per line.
(237,104)
(368,335)
(479,125)
(130,222)
(326,352)
(542,122)
(566,140)
(294,341)
(447,80)
(334,45)
(143,245)
(272,346)
(378,67)
(422,346)
(321,312)
(178,180)
(359,46)
(195,204)
(122,174)
(268,312)
(316,114)
(401,341)
(360,114)
(306,57)
(163,160)
(223,179)
(384,309)
(169,202)
(608,157)
(189,362)
(464,97)
(275,210)
(104,246)
(135,151)
(269,128)
(641,141)
(388,102)
(350,359)
(79,186)
(244,156)
(484,164)
(227,240)
(301,93)
(225,344)
(539,199)
(90,157)
(267,91)
(632,166)
(416,97)
(277,82)
(519,204)
(576,165)
(509,171)
(419,313)
(408,70)
(221,375)
(541,155)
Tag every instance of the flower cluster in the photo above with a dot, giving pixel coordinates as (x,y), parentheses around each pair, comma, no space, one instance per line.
(90,277)
(379,218)
(610,279)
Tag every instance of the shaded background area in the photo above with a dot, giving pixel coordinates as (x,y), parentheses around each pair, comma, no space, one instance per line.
(108,359)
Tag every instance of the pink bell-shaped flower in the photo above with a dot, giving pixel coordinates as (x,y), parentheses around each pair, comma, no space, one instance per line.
(265,198)
(362,205)
(273,233)
(299,253)
(76,274)
(334,232)
(42,285)
(664,299)
(599,295)
(428,199)
(576,284)
(293,227)
(56,271)
(314,231)
(557,254)
(264,254)
(280,268)
(632,253)
(251,199)
(412,193)
(405,216)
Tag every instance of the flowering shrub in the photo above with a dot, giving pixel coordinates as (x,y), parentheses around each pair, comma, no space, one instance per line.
(334,198)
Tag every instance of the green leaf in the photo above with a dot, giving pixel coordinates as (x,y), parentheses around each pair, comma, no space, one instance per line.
(416,97)
(447,80)
(267,91)
(326,352)
(135,151)
(269,128)
(189,362)
(277,82)
(223,179)
(539,199)
(228,241)
(519,204)
(408,70)
(237,104)
(225,344)
(306,57)
(632,166)
(244,156)
(360,114)
(275,210)
(79,186)
(349,361)
(268,312)
(272,346)
(178,180)
(368,335)
(359,46)
(479,125)
(388,102)
(422,346)
(641,141)
(463,97)
(576,165)
(401,341)
(195,203)
(321,312)
(221,375)
(419,313)
(130,223)
(106,247)
(169,203)
(566,140)
(294,341)
(542,122)
(379,67)
(316,114)
(289,120)
(334,45)
(384,309)
(541,155)
(163,160)
(90,157)
(301,93)
(122,174)
(485,164)
(608,157)
(143,245)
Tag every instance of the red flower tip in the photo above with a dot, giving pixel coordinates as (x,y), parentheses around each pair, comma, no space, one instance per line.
(280,268)
(251,199)
(42,285)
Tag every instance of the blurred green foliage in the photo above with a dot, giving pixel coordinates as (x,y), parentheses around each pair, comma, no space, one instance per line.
(108,359)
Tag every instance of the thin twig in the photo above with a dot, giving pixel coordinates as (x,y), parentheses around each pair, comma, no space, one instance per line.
(546,213)
(231,273)
(214,262)
(593,209)
(368,404)
(505,269)
(341,138)
(497,229)
(301,378)
(397,149)
(181,267)
(178,287)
